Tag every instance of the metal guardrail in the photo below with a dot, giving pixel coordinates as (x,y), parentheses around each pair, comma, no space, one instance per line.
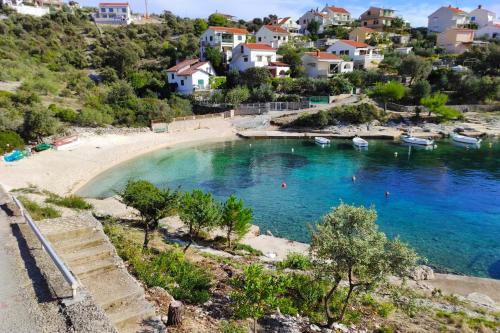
(68,276)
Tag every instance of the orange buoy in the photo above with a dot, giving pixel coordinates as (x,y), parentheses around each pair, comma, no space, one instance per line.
(283,185)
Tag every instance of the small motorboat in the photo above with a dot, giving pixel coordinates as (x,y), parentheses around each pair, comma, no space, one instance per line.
(358,142)
(321,141)
(42,146)
(417,141)
(465,139)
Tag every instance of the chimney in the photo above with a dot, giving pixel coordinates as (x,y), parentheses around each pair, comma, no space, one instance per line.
(479,7)
(449,6)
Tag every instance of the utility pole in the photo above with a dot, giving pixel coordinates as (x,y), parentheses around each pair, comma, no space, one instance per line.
(146,5)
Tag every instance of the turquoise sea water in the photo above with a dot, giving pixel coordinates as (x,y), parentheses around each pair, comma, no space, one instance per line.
(445,202)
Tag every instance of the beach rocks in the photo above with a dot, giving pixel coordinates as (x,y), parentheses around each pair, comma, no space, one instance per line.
(422,272)
(481,299)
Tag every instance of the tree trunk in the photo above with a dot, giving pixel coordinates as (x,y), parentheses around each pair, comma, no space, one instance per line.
(146,236)
(229,230)
(385,107)
(188,245)
(254,325)
(346,302)
(328,297)
(175,313)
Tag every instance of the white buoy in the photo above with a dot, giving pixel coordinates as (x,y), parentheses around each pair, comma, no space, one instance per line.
(293,150)
(250,144)
(490,144)
(395,154)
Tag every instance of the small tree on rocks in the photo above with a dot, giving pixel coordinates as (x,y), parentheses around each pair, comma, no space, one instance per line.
(347,246)
(199,211)
(152,203)
(236,219)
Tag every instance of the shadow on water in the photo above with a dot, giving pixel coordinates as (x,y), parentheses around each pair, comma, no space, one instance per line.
(494,270)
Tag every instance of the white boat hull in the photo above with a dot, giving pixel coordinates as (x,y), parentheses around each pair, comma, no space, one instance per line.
(360,142)
(321,140)
(417,141)
(465,139)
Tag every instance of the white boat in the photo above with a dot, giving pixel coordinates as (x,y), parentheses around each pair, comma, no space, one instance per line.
(357,141)
(465,139)
(417,141)
(322,141)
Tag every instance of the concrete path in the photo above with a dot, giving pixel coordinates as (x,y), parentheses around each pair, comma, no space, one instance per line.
(15,309)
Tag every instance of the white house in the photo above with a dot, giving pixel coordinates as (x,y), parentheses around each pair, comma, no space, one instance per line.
(338,15)
(324,64)
(288,24)
(447,18)
(313,15)
(223,39)
(249,55)
(482,17)
(117,13)
(279,69)
(273,35)
(362,54)
(190,75)
(490,31)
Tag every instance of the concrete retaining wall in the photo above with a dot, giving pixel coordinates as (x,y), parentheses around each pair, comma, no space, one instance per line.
(461,108)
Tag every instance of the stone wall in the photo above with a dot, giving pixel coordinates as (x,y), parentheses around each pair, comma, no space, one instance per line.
(461,108)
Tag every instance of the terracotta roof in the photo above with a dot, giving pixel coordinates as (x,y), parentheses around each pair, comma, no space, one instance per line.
(182,64)
(320,14)
(279,64)
(193,69)
(259,46)
(456,10)
(323,55)
(283,20)
(353,43)
(496,25)
(113,4)
(276,29)
(230,30)
(338,10)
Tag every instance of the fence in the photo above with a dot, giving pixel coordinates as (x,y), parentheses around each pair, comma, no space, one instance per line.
(259,108)
(68,276)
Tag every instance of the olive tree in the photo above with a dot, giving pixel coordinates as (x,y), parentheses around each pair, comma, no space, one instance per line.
(199,211)
(347,246)
(152,203)
(236,219)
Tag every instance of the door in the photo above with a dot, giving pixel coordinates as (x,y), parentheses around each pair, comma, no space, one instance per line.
(201,83)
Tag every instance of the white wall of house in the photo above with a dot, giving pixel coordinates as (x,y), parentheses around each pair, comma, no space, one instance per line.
(275,39)
(444,18)
(114,14)
(482,17)
(250,58)
(491,31)
(223,41)
(336,17)
(366,57)
(310,16)
(187,84)
(316,67)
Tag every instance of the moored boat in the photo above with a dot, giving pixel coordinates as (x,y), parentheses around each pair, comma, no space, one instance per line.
(322,141)
(359,142)
(417,141)
(465,139)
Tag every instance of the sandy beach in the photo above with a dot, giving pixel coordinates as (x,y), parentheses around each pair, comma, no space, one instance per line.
(65,172)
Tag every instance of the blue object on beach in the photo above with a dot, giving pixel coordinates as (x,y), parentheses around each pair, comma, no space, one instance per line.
(16,155)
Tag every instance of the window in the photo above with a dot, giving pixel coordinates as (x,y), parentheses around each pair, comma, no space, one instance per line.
(365,23)
(274,37)
(472,18)
(344,52)
(211,38)
(242,49)
(110,10)
(259,58)
(375,21)
(311,64)
(240,37)
(260,39)
(173,76)
(334,52)
(201,83)
(269,59)
(369,13)
(182,82)
(124,10)
(245,59)
(103,10)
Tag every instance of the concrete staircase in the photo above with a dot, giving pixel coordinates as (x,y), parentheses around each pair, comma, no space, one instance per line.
(84,247)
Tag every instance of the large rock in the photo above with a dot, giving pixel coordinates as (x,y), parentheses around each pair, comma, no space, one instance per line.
(421,273)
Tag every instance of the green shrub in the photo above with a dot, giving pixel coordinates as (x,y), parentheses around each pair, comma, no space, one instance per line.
(295,260)
(38,212)
(249,249)
(63,114)
(71,201)
(232,327)
(10,141)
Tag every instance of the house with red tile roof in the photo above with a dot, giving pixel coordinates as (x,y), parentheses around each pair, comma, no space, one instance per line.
(455,40)
(362,34)
(363,55)
(377,18)
(483,17)
(190,75)
(288,24)
(323,64)
(249,55)
(338,15)
(447,17)
(223,39)
(114,13)
(273,35)
(313,15)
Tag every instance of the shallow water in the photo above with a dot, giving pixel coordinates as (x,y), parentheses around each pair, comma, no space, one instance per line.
(445,202)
